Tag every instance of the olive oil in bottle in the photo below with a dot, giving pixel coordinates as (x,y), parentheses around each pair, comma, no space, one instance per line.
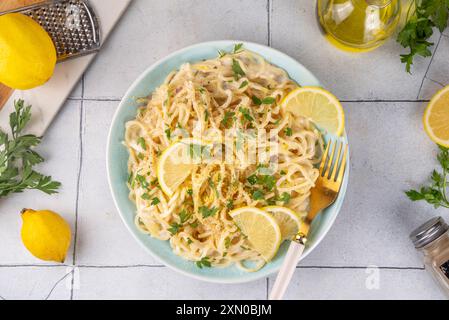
(358,25)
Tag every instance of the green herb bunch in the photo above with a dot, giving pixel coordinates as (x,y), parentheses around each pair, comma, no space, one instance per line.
(422,17)
(437,193)
(17,157)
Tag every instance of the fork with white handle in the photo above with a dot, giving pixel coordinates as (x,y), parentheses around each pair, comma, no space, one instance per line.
(328,184)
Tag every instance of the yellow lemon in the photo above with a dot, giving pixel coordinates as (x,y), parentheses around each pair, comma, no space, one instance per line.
(27,53)
(45,234)
(288,221)
(261,228)
(177,162)
(436,118)
(318,105)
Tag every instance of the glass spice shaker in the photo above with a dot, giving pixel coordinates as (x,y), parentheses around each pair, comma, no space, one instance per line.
(432,239)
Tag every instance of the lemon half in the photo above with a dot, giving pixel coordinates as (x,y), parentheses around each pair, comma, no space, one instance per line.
(436,118)
(318,105)
(261,229)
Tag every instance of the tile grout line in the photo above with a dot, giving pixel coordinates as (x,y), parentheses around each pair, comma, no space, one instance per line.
(78,184)
(269,5)
(428,67)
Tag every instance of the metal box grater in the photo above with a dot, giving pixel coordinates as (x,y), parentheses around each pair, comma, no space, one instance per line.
(72,25)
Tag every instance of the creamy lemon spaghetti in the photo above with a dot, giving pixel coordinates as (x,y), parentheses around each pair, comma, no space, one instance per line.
(231,103)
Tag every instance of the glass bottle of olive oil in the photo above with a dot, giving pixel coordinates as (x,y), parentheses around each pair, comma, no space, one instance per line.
(358,25)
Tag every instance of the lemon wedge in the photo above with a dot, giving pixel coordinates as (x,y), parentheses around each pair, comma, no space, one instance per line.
(288,221)
(261,229)
(436,118)
(177,162)
(318,105)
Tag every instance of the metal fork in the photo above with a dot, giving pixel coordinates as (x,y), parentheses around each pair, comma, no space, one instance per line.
(328,184)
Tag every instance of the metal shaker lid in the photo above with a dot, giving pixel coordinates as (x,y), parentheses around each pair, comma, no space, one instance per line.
(428,232)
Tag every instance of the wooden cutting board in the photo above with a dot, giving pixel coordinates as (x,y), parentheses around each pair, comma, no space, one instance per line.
(6,5)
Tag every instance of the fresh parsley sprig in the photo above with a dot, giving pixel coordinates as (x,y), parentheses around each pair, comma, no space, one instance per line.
(437,193)
(422,17)
(17,157)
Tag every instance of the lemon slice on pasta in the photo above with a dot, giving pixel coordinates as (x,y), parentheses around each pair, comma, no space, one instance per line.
(261,229)
(288,221)
(177,162)
(318,105)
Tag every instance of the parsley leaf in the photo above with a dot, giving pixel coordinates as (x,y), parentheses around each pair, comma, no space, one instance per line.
(168,133)
(17,157)
(288,132)
(268,100)
(246,114)
(237,69)
(237,48)
(437,193)
(155,201)
(204,262)
(228,119)
(256,100)
(418,29)
(142,143)
(243,85)
(206,212)
(258,195)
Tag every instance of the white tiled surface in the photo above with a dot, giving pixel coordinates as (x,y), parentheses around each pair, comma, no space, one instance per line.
(390,153)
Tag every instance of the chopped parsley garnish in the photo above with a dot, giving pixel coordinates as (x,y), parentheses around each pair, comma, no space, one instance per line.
(184,216)
(258,195)
(204,262)
(206,116)
(246,114)
(189,241)
(206,212)
(212,185)
(142,181)
(142,143)
(174,228)
(268,100)
(227,242)
(168,133)
(285,197)
(243,85)
(256,100)
(230,204)
(237,48)
(252,179)
(146,196)
(228,119)
(194,224)
(288,132)
(155,201)
(190,192)
(237,69)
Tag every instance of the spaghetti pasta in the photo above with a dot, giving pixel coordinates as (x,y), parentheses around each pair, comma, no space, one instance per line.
(232,101)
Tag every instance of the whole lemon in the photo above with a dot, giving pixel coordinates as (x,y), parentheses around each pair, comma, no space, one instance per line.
(27,53)
(45,234)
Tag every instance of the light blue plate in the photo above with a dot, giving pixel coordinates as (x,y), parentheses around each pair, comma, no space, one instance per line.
(117,158)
